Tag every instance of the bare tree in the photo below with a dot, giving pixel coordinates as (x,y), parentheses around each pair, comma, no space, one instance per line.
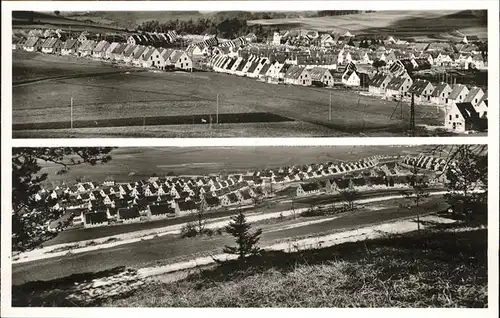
(350,195)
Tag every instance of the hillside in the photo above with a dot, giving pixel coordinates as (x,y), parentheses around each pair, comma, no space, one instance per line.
(46,20)
(434,269)
(421,25)
(130,19)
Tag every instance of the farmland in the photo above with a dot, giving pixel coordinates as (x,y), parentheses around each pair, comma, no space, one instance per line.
(420,25)
(123,93)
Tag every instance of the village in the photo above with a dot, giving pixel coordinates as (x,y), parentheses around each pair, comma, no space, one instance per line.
(389,68)
(92,204)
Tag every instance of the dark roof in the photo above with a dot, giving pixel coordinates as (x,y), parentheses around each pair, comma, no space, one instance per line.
(418,87)
(264,69)
(396,83)
(96,217)
(162,208)
(188,205)
(467,110)
(378,79)
(438,89)
(128,213)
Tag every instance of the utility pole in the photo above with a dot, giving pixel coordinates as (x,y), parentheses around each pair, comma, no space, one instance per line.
(412,115)
(217,114)
(71,120)
(330,108)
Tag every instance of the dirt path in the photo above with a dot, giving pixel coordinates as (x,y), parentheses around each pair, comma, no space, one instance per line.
(132,237)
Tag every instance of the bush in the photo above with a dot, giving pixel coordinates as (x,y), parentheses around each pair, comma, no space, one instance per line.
(189,230)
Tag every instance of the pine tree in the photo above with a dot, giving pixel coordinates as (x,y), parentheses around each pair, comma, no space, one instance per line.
(245,240)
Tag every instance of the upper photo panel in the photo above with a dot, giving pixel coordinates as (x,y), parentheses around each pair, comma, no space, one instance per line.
(185,74)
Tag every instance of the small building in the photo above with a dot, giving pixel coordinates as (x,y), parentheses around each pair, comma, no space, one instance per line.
(129,215)
(70,47)
(440,94)
(457,95)
(474,96)
(297,75)
(422,91)
(463,117)
(378,83)
(398,86)
(100,49)
(52,46)
(321,76)
(308,188)
(181,61)
(33,44)
(162,210)
(95,219)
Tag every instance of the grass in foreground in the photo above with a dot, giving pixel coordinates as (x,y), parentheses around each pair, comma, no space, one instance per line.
(433,269)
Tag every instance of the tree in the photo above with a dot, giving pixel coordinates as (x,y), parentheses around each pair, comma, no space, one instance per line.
(467,176)
(378,63)
(418,191)
(57,12)
(28,214)
(245,240)
(350,195)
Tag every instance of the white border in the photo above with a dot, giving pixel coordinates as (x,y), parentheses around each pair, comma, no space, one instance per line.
(7,142)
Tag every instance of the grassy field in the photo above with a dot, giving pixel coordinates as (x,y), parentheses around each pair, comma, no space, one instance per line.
(142,94)
(432,269)
(30,67)
(48,20)
(134,163)
(170,249)
(422,25)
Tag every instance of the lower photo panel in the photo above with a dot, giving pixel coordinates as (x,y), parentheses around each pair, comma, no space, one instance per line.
(281,226)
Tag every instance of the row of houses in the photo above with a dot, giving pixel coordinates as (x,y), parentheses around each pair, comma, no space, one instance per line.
(337,185)
(277,72)
(132,54)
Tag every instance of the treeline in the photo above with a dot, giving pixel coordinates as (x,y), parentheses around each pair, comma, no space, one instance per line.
(223,24)
(231,24)
(327,13)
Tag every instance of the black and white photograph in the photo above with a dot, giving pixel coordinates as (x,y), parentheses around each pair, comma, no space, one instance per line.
(215,158)
(181,74)
(324,226)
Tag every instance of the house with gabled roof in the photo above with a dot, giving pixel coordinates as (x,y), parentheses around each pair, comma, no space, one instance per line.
(321,76)
(463,117)
(100,49)
(108,53)
(69,47)
(378,83)
(151,57)
(95,219)
(474,96)
(181,60)
(458,94)
(52,46)
(128,215)
(422,90)
(160,211)
(482,106)
(33,44)
(309,188)
(440,94)
(398,86)
(297,75)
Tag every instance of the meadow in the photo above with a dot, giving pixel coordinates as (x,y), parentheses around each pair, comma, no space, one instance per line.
(123,93)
